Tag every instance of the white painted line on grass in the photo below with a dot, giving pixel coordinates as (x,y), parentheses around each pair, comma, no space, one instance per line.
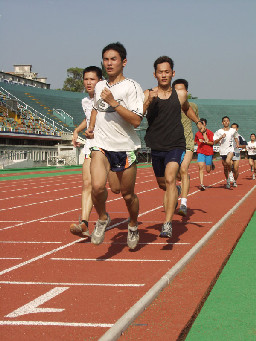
(59,324)
(111,260)
(122,324)
(129,285)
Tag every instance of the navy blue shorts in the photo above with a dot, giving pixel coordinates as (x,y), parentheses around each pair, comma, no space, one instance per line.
(160,160)
(224,157)
(119,161)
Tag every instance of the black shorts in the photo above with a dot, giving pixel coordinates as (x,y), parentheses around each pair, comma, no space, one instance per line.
(161,158)
(253,157)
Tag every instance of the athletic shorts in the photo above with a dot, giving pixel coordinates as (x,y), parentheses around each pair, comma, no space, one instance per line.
(87,156)
(236,157)
(225,156)
(160,160)
(253,157)
(119,161)
(207,159)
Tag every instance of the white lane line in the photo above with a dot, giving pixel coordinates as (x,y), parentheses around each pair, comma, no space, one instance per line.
(40,202)
(59,324)
(39,257)
(26,242)
(131,285)
(9,258)
(111,260)
(11,221)
(36,187)
(33,306)
(40,193)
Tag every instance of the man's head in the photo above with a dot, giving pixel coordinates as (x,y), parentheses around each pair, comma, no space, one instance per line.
(91,76)
(235,126)
(204,121)
(253,137)
(225,121)
(164,70)
(114,58)
(180,84)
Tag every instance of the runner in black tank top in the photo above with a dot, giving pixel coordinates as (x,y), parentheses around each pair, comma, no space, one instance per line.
(165,134)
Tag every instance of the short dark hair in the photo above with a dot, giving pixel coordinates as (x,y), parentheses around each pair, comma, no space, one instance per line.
(253,134)
(118,47)
(95,69)
(235,124)
(225,117)
(164,59)
(180,81)
(203,120)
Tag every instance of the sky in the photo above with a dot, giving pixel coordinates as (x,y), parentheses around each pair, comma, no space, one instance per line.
(212,42)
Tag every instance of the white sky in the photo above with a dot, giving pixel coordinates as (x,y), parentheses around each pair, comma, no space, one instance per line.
(212,42)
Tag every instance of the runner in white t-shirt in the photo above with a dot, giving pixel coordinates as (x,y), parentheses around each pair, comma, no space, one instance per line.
(118,107)
(91,76)
(251,148)
(225,137)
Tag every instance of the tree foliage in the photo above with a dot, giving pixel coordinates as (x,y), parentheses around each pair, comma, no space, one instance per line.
(74,80)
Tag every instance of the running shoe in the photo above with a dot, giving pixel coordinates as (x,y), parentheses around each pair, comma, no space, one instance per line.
(231,177)
(99,230)
(166,231)
(213,166)
(133,236)
(183,210)
(80,230)
(228,184)
(253,177)
(202,188)
(234,184)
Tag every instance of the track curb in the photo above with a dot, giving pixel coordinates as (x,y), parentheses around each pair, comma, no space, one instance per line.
(122,324)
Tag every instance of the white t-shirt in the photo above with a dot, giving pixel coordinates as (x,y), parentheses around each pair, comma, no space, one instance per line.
(112,132)
(251,148)
(227,143)
(87,105)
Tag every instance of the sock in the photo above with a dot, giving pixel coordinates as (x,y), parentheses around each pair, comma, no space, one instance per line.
(86,222)
(184,201)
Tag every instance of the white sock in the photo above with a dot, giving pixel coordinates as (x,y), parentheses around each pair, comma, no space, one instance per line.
(184,201)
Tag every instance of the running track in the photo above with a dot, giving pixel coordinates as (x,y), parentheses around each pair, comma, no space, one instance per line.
(58,287)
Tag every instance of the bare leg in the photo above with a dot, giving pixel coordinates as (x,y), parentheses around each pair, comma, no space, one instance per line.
(87,203)
(201,166)
(185,182)
(236,169)
(99,173)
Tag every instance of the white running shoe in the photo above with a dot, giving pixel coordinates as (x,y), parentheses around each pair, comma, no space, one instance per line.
(98,234)
(231,177)
(228,184)
(133,236)
(253,177)
(234,184)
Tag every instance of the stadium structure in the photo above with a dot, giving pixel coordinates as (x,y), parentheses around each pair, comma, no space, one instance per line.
(36,124)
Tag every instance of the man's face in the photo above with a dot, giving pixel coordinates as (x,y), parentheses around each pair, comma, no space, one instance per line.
(113,63)
(164,74)
(90,81)
(226,122)
(253,138)
(235,127)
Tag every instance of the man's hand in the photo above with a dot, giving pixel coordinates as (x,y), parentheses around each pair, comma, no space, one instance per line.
(107,96)
(89,133)
(74,139)
(152,94)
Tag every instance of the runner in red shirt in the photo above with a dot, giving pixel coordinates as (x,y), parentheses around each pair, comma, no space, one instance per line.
(204,152)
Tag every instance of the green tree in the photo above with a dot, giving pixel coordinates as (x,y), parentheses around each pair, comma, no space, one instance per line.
(74,80)
(191,97)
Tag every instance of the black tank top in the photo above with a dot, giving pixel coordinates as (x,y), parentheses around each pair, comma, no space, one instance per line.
(165,131)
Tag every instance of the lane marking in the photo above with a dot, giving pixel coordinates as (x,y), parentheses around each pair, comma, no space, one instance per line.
(111,260)
(60,324)
(32,307)
(9,258)
(76,284)
(26,242)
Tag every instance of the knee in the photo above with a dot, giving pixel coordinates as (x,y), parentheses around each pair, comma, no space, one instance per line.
(128,198)
(97,189)
(87,184)
(115,190)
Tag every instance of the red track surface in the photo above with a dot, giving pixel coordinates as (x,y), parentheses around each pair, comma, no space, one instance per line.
(84,294)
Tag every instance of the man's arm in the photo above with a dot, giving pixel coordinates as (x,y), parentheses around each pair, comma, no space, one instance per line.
(81,127)
(149,95)
(126,114)
(187,109)
(89,132)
